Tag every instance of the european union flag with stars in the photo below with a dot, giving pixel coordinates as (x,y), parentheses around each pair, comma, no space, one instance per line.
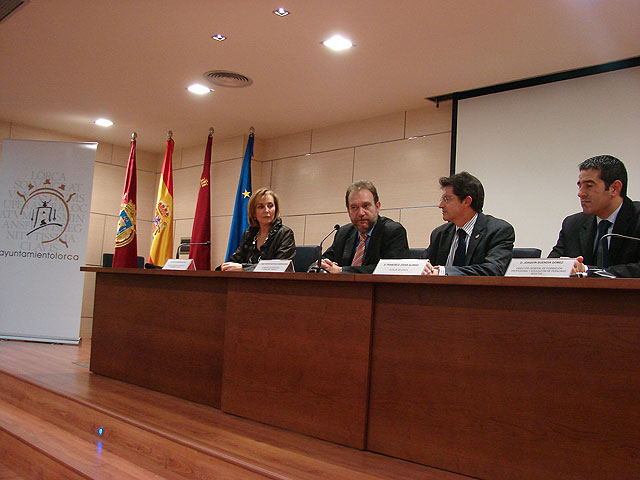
(240,220)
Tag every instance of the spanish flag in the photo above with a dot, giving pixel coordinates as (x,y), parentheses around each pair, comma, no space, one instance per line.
(126,251)
(200,249)
(162,242)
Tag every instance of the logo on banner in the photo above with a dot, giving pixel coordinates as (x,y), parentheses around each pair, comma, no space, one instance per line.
(47,211)
(126,224)
(162,215)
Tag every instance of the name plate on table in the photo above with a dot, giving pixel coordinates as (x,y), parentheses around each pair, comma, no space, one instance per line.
(409,266)
(179,264)
(274,266)
(540,267)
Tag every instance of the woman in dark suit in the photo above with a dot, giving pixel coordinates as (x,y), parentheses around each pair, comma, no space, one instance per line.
(266,238)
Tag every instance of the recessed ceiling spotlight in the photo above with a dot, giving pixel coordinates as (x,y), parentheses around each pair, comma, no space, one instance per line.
(281,12)
(338,43)
(199,89)
(103,122)
(219,37)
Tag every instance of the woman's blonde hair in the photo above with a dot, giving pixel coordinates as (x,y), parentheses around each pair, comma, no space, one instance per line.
(251,210)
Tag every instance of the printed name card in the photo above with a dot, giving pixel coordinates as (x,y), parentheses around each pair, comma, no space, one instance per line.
(179,264)
(274,266)
(408,266)
(540,267)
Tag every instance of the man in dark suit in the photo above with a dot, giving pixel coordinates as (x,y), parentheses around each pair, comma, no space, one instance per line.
(471,243)
(359,246)
(602,189)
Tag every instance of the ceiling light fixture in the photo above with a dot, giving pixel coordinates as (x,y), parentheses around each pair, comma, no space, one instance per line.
(281,12)
(199,89)
(219,37)
(103,122)
(338,43)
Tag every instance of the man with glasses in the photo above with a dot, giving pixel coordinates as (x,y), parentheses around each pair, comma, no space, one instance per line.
(470,243)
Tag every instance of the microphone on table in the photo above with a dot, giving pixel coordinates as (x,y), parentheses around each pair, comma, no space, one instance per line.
(188,244)
(601,272)
(317,268)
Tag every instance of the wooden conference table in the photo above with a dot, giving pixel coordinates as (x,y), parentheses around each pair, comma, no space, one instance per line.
(490,377)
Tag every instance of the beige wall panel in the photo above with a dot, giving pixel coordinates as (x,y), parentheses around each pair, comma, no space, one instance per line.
(104,152)
(220,227)
(261,175)
(146,194)
(296,223)
(226,149)
(186,184)
(224,183)
(182,229)
(192,156)
(5,130)
(96,239)
(288,146)
(313,183)
(259,149)
(392,214)
(149,162)
(108,183)
(419,223)
(88,291)
(223,149)
(405,172)
(318,226)
(23,132)
(110,228)
(429,120)
(120,156)
(372,130)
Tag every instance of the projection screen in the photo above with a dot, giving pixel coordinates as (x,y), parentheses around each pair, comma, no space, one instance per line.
(525,145)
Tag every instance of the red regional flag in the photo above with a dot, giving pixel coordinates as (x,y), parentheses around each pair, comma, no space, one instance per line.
(200,249)
(126,252)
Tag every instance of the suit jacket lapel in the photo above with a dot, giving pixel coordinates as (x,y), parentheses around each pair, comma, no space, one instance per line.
(349,246)
(587,237)
(477,236)
(445,244)
(625,215)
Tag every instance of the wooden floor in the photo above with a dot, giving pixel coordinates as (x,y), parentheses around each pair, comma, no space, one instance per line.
(240,448)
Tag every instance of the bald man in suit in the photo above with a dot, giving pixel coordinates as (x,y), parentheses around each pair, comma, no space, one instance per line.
(470,243)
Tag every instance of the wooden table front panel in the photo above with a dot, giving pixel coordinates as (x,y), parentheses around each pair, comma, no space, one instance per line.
(507,383)
(297,356)
(161,332)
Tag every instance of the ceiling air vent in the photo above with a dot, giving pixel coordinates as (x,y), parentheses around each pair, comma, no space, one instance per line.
(223,78)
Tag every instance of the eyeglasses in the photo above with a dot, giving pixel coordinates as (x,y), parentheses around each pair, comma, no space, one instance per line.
(446,199)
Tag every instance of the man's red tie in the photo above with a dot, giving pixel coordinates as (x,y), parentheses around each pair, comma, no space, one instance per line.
(357,258)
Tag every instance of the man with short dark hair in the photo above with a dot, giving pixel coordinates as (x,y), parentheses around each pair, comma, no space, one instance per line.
(471,243)
(359,245)
(606,209)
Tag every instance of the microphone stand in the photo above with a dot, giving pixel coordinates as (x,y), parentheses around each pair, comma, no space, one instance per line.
(600,271)
(185,244)
(317,267)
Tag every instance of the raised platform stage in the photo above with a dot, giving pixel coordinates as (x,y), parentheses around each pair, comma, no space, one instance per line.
(51,407)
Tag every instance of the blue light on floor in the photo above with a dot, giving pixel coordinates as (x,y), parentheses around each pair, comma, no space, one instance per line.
(100,431)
